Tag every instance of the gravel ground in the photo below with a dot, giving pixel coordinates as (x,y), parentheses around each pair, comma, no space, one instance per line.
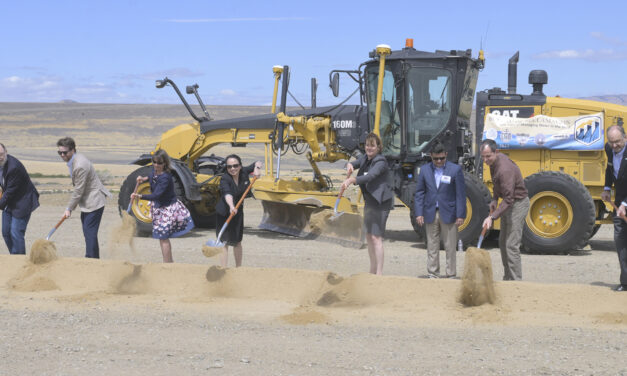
(131,334)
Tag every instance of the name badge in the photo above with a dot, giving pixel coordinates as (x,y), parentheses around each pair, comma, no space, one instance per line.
(445,179)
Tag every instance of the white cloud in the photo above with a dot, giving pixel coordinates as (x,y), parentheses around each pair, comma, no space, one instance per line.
(172,72)
(241,19)
(610,40)
(604,54)
(228,92)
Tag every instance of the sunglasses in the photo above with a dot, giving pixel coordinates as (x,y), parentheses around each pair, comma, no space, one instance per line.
(60,152)
(231,166)
(438,158)
(155,162)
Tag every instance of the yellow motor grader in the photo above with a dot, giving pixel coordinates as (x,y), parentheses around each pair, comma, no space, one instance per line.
(410,98)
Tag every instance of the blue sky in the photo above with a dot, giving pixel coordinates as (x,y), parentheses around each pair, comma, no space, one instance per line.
(113,51)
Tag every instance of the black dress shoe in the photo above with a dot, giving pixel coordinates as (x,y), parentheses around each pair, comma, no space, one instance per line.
(620,288)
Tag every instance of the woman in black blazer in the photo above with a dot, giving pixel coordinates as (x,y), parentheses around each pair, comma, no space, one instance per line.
(170,217)
(232,187)
(374,180)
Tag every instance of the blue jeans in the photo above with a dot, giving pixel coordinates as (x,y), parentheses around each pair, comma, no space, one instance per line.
(91,223)
(13,231)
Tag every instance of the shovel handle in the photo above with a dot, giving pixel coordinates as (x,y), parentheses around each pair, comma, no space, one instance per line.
(130,203)
(55,227)
(348,175)
(240,201)
(623,217)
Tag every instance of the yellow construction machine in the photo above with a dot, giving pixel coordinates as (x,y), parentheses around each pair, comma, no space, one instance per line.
(558,144)
(411,99)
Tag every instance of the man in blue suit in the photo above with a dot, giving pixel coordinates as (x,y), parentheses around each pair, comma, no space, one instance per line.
(440,202)
(19,199)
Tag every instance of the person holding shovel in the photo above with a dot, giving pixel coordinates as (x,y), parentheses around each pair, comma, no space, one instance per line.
(19,198)
(170,218)
(89,193)
(233,184)
(509,186)
(374,180)
(615,176)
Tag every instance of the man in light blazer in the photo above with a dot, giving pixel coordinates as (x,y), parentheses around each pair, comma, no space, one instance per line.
(89,194)
(440,202)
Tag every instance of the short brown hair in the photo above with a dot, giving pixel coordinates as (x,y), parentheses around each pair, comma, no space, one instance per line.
(377,141)
(67,142)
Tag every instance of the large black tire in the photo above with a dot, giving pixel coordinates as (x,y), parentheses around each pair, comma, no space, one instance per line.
(139,211)
(561,214)
(477,207)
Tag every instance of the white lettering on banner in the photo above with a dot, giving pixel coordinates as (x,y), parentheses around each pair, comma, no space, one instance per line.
(342,124)
(508,113)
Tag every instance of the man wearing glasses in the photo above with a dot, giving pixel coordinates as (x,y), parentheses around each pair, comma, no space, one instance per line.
(89,194)
(440,202)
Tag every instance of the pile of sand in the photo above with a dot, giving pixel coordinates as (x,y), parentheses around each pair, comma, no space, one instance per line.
(42,251)
(309,297)
(477,280)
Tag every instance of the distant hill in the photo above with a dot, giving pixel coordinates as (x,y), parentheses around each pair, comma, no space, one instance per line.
(616,98)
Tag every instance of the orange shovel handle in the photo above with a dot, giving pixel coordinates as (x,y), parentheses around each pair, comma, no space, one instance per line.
(241,199)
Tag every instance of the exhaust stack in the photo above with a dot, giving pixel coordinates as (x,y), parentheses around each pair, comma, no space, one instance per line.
(512,73)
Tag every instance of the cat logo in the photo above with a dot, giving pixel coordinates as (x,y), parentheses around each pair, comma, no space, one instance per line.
(588,129)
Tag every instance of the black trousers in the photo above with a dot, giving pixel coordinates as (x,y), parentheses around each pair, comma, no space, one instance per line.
(91,224)
(620,239)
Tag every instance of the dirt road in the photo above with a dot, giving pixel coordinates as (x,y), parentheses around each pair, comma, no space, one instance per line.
(298,307)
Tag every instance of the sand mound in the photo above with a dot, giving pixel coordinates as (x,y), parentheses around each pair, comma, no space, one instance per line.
(303,296)
(127,279)
(304,316)
(42,251)
(477,281)
(34,284)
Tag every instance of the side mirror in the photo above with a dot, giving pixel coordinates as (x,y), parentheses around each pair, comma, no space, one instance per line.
(191,89)
(335,84)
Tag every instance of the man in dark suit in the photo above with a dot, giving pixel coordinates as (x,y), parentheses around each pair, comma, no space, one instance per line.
(440,202)
(616,174)
(19,200)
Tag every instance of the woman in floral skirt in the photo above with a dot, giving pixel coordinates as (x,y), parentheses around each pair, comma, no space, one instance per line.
(170,218)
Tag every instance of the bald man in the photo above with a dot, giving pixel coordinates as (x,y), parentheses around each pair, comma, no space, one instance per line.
(616,175)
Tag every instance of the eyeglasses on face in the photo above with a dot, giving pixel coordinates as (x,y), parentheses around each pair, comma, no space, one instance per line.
(438,158)
(63,152)
(232,166)
(157,162)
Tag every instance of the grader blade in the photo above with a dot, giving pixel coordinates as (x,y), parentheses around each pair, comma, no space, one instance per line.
(313,222)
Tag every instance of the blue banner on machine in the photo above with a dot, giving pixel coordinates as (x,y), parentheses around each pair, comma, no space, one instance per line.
(584,132)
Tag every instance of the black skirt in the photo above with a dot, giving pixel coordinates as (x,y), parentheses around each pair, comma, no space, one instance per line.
(234,231)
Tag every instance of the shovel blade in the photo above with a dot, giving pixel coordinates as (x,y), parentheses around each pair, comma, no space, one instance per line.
(214,243)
